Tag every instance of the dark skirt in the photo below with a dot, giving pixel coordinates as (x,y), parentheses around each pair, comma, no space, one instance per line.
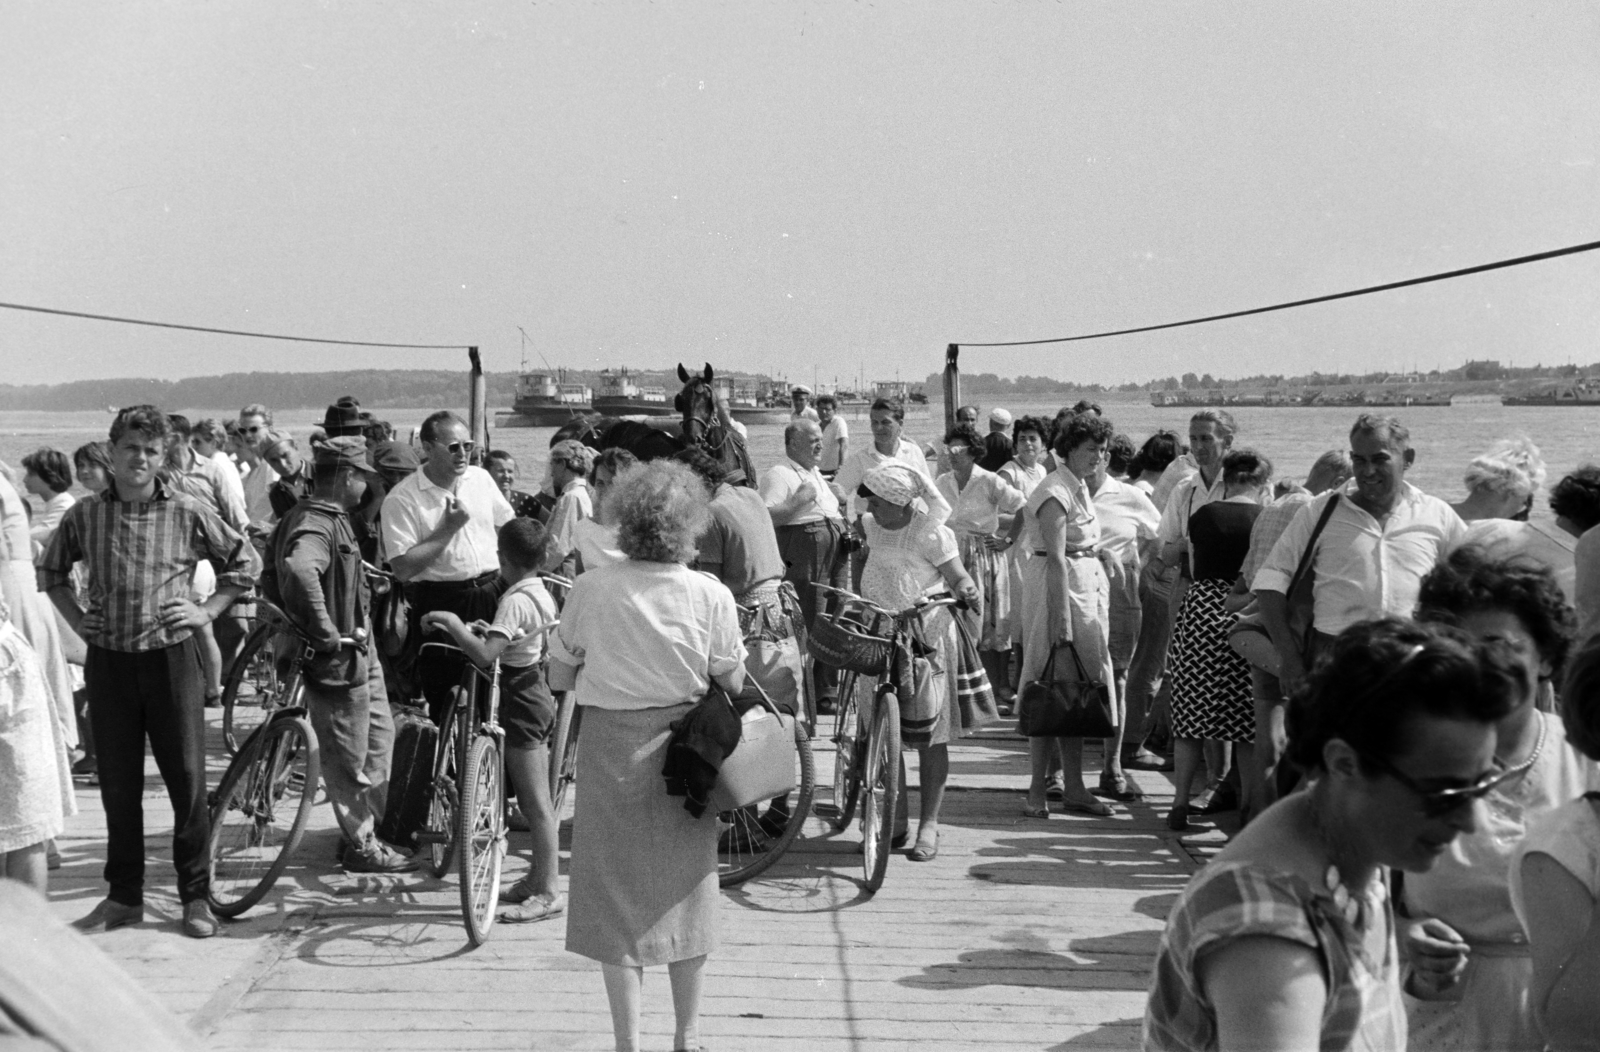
(643,883)
(1211,695)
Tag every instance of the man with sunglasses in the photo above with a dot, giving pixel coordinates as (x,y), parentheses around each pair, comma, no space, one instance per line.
(255,420)
(439,534)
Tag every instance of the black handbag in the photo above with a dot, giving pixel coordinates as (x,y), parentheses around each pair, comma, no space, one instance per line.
(1052,707)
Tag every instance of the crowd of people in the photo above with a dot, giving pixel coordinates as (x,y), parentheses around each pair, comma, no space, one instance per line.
(1394,693)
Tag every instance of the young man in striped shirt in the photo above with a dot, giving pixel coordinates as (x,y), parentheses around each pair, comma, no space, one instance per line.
(140,542)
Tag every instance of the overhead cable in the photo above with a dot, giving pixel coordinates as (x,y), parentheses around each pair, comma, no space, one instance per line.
(1571,250)
(232,332)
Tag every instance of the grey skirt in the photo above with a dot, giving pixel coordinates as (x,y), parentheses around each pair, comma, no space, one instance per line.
(642,888)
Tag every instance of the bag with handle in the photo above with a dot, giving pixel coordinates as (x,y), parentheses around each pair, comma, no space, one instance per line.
(1056,707)
(762,765)
(1249,637)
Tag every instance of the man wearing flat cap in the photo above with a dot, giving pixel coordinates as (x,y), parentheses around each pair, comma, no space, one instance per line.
(317,562)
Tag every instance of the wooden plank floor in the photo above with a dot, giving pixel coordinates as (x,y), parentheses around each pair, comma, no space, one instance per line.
(1022,934)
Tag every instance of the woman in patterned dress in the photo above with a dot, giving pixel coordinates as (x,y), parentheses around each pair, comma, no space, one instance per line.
(1286,938)
(1211,697)
(977,500)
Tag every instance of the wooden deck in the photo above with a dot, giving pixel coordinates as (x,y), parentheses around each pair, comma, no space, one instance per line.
(1022,934)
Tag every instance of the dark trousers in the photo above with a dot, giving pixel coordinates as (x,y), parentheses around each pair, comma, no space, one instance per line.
(355,730)
(811,553)
(440,670)
(159,694)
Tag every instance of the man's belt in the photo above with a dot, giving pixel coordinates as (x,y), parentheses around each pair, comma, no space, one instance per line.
(820,526)
(1070,553)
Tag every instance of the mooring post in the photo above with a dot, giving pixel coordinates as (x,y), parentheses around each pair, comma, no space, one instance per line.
(952,386)
(478,408)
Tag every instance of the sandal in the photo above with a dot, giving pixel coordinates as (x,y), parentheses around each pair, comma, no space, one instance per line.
(925,854)
(535,909)
(1096,808)
(1029,811)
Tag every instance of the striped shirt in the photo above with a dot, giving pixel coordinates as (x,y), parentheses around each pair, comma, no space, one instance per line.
(140,554)
(1232,900)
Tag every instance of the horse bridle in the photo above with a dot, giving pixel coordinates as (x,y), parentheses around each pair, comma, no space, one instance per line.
(713,436)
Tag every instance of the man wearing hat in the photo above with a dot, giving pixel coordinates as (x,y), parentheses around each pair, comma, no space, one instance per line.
(317,564)
(345,418)
(800,396)
(1000,420)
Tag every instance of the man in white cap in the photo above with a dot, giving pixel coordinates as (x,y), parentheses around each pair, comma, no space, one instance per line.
(1000,420)
(800,396)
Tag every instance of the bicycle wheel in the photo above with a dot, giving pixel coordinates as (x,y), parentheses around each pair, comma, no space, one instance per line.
(846,740)
(253,686)
(259,812)
(564,752)
(443,803)
(880,785)
(753,838)
(481,835)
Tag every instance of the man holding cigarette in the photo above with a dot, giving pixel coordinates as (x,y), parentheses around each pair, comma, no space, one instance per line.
(439,535)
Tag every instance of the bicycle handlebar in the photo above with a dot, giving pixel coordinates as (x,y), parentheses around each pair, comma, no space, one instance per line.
(937,601)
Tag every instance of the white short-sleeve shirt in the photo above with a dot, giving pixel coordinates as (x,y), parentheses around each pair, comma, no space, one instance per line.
(415,507)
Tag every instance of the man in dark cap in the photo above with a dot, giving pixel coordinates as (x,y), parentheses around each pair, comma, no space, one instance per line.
(324,593)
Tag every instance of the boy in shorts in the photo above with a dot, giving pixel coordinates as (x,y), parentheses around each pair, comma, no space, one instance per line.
(527,710)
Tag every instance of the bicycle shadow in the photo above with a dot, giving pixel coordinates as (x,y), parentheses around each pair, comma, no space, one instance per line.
(1079,860)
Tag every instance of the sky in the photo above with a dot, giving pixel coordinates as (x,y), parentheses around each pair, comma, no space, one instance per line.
(814,190)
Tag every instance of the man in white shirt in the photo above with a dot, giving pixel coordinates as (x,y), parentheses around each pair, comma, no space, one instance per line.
(800,399)
(439,530)
(835,435)
(805,514)
(1383,537)
(255,420)
(888,421)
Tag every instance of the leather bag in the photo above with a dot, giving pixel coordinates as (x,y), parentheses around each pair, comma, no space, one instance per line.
(762,765)
(1249,637)
(1057,707)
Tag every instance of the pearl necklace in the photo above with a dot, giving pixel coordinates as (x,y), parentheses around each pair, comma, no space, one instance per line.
(1350,905)
(1533,757)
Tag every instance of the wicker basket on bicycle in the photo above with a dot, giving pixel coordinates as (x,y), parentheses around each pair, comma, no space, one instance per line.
(849,638)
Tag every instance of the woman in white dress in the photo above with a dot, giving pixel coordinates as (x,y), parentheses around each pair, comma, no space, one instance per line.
(1030,437)
(977,500)
(909,556)
(1470,971)
(35,787)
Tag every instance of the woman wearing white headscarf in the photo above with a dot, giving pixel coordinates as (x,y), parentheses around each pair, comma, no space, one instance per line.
(909,555)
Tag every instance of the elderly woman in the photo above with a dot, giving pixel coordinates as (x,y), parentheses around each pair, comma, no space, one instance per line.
(1575,501)
(1212,698)
(1501,482)
(1066,597)
(641,641)
(910,555)
(1555,883)
(977,500)
(1286,938)
(1470,972)
(594,540)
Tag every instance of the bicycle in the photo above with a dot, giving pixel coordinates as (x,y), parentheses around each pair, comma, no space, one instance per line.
(569,718)
(866,769)
(260,808)
(467,810)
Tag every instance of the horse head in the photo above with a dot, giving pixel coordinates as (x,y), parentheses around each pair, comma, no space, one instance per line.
(697,403)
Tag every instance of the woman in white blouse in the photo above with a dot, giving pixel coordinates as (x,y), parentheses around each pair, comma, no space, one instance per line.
(977,500)
(641,641)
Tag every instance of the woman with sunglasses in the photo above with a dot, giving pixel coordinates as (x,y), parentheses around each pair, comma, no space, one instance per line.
(1286,938)
(1469,970)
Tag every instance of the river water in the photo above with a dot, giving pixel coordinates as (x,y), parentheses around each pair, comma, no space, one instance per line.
(1445,438)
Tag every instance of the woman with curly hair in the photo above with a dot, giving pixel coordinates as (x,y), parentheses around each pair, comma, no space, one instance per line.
(1286,938)
(1575,500)
(641,641)
(1502,481)
(1469,975)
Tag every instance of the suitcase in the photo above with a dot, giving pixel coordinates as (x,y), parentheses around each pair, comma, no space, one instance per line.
(405,812)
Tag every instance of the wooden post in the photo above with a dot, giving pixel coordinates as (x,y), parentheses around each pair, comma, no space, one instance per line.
(478,408)
(952,386)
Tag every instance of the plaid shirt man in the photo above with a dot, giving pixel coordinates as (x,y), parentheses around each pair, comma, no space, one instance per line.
(139,554)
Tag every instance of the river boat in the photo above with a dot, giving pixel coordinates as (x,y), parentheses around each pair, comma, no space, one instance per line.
(1579,392)
(620,396)
(911,398)
(1395,397)
(761,401)
(546,400)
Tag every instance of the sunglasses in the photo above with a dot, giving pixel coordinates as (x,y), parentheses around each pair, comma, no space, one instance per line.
(458,447)
(957,451)
(1437,803)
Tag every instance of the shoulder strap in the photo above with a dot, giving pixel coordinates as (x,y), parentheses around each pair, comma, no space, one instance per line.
(1311,545)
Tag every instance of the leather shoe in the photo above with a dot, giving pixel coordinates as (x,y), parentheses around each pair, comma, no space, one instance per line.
(110,915)
(198,922)
(1178,819)
(377,858)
